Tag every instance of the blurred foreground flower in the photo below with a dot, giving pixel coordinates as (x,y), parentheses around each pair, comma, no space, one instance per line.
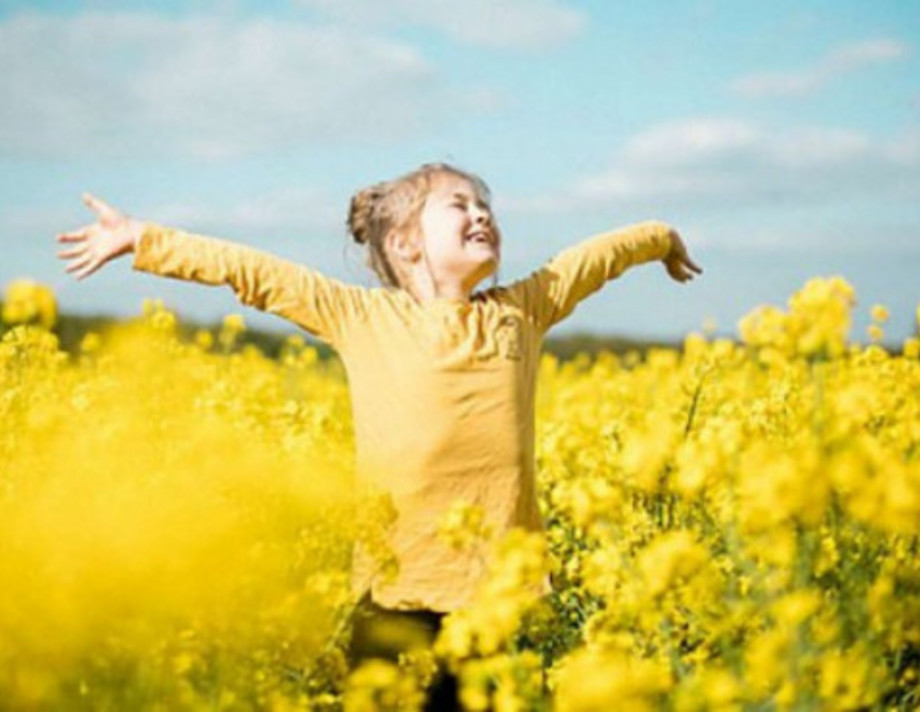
(28,302)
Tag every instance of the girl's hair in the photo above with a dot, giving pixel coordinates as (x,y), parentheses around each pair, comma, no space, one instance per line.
(396,205)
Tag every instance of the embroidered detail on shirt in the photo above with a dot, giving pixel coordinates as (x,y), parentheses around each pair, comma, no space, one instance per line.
(508,337)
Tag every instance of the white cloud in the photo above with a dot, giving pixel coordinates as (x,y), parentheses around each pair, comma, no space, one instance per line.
(719,167)
(844,60)
(281,211)
(509,24)
(125,84)
(715,140)
(685,142)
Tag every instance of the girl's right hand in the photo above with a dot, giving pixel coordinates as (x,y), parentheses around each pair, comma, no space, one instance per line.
(114,234)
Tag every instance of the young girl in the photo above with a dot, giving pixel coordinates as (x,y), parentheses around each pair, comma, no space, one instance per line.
(442,378)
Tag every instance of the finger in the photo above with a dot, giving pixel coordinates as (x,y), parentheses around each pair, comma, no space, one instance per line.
(72,252)
(92,267)
(74,236)
(693,265)
(96,204)
(680,274)
(79,264)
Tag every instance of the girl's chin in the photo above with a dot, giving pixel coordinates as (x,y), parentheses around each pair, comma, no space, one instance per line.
(482,259)
(488,254)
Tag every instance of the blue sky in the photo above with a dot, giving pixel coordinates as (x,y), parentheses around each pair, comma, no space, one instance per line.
(781,139)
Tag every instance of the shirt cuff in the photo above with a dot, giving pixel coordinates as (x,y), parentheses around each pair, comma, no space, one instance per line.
(660,236)
(142,248)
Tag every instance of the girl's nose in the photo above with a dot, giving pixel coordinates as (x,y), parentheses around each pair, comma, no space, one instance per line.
(480,215)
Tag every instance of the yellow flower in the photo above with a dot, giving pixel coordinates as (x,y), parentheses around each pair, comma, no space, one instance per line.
(816,324)
(90,342)
(766,659)
(776,486)
(646,455)
(182,663)
(795,607)
(464,525)
(847,679)
(669,559)
(594,681)
(234,322)
(204,339)
(373,686)
(709,688)
(590,500)
(764,326)
(28,302)
(721,687)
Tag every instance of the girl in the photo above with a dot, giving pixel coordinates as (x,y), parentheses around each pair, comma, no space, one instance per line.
(442,379)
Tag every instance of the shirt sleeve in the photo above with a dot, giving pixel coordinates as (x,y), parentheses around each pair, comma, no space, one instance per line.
(551,293)
(318,304)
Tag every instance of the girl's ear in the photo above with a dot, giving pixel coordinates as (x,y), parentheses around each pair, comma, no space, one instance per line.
(404,245)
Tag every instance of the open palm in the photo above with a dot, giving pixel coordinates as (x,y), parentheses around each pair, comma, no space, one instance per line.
(112,235)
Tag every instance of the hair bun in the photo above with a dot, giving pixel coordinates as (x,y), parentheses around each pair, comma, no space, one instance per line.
(361,212)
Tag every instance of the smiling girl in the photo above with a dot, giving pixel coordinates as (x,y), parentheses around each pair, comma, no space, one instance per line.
(442,378)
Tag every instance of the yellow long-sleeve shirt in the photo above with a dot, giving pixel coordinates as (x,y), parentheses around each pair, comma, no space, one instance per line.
(442,393)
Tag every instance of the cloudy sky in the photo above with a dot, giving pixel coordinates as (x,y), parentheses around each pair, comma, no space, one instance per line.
(781,139)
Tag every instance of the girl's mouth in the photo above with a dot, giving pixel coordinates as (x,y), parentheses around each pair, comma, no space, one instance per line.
(479,236)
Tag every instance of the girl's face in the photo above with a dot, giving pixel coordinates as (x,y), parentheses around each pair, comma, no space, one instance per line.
(461,242)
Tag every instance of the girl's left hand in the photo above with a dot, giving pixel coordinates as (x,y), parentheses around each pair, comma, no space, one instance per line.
(678,262)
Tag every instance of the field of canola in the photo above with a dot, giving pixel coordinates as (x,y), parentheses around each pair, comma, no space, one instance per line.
(733,526)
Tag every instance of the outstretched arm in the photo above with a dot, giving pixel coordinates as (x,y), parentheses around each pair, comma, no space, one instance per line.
(311,300)
(551,293)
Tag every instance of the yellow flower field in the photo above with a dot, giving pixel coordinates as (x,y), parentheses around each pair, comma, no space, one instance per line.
(731,526)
